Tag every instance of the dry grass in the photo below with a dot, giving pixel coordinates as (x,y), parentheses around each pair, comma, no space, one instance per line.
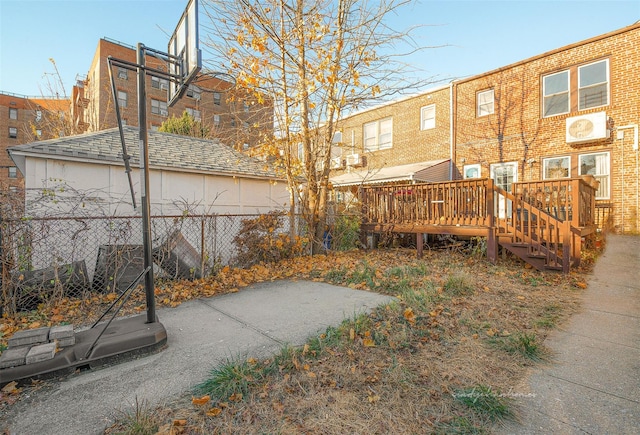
(457,327)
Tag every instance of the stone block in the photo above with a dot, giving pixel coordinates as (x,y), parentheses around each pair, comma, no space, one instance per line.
(66,341)
(62,331)
(41,352)
(29,337)
(14,357)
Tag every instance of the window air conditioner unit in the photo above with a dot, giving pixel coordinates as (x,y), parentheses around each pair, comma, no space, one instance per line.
(164,112)
(354,160)
(164,86)
(336,162)
(587,128)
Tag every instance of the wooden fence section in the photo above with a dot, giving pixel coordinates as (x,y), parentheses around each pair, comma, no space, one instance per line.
(542,222)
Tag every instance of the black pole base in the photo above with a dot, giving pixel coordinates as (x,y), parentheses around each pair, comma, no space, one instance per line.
(124,339)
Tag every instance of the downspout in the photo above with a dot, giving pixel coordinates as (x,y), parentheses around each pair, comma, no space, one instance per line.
(452,154)
(635,148)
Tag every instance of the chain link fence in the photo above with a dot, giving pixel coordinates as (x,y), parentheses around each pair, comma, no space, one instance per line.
(48,258)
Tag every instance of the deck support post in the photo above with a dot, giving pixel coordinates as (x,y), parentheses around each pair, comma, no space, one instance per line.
(419,244)
(492,246)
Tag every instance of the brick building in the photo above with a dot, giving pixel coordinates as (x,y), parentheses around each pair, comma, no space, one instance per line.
(379,142)
(26,119)
(566,113)
(235,119)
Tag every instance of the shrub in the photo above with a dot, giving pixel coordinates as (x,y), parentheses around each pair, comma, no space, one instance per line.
(261,240)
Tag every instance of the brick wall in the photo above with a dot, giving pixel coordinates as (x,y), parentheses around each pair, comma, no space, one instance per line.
(410,143)
(518,132)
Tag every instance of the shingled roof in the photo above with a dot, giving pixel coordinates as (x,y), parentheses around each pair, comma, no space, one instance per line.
(166,151)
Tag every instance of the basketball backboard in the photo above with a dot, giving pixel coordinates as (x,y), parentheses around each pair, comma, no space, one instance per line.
(184,45)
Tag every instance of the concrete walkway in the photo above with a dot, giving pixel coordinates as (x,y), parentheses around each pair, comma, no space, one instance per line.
(255,322)
(592,385)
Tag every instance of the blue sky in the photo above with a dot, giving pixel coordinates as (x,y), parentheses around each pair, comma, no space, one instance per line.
(479,35)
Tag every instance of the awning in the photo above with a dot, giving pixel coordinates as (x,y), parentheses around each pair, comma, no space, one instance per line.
(431,171)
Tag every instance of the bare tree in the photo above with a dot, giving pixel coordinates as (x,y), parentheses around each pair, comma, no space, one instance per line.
(317,60)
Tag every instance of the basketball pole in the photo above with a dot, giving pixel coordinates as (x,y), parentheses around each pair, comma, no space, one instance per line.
(144,183)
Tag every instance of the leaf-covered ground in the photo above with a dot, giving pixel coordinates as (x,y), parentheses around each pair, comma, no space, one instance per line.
(462,331)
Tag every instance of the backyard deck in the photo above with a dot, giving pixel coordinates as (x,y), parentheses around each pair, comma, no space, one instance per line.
(542,222)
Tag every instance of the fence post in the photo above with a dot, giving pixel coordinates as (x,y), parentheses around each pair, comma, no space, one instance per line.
(202,250)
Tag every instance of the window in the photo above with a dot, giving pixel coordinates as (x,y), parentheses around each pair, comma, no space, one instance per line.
(159,107)
(301,151)
(593,85)
(159,83)
(13,172)
(245,125)
(505,174)
(555,90)
(556,167)
(194,92)
(38,132)
(216,121)
(122,98)
(13,189)
(194,113)
(13,113)
(472,171)
(38,115)
(13,132)
(485,102)
(245,146)
(597,164)
(378,135)
(233,122)
(122,73)
(245,106)
(428,117)
(217,98)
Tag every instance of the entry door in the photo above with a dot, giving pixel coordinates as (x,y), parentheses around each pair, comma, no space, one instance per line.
(504,175)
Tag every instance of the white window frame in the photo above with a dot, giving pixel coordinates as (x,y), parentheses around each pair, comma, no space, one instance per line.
(468,170)
(13,172)
(217,98)
(38,115)
(485,103)
(159,107)
(565,163)
(602,174)
(378,135)
(216,121)
(547,96)
(194,113)
(428,117)
(13,132)
(123,73)
(584,88)
(194,92)
(158,83)
(122,98)
(496,166)
(13,113)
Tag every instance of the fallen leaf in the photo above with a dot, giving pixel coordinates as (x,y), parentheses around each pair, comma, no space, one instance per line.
(201,401)
(10,388)
(213,412)
(367,342)
(236,397)
(352,334)
(180,422)
(409,315)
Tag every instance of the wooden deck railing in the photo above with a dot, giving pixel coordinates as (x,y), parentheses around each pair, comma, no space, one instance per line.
(571,199)
(446,203)
(550,216)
